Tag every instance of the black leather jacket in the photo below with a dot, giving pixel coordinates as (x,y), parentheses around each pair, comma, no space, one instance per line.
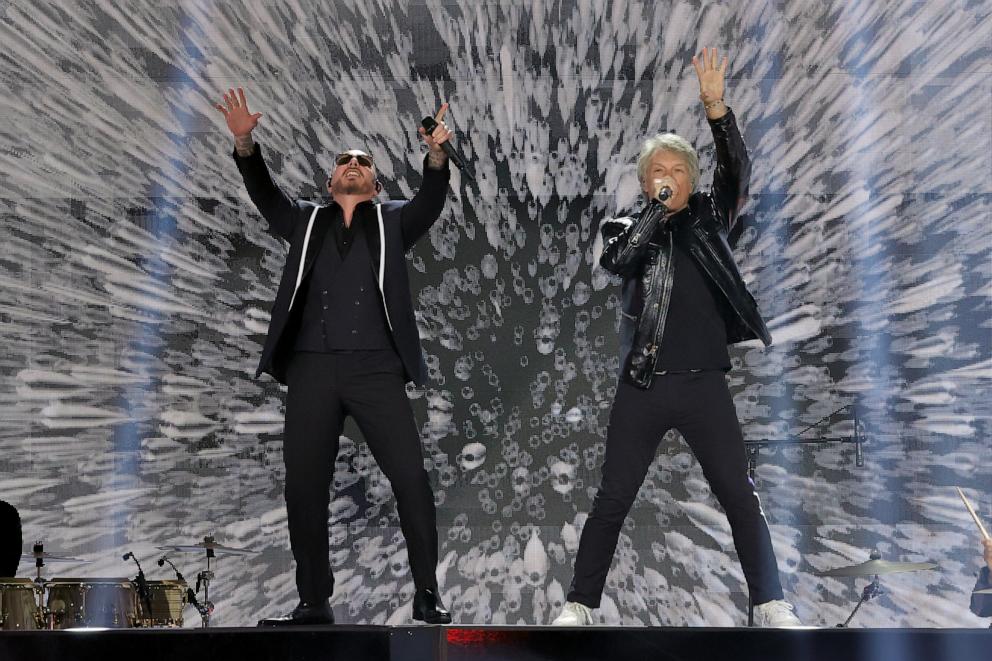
(634,250)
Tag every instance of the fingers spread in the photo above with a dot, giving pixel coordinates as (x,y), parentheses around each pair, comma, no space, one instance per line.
(723,66)
(221,108)
(699,68)
(241,97)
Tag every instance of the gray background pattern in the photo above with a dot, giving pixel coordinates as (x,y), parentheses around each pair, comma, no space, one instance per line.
(136,278)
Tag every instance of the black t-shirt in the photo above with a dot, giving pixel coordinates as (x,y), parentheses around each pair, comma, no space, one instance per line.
(695,335)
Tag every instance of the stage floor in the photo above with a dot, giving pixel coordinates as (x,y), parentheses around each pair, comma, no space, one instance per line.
(457,643)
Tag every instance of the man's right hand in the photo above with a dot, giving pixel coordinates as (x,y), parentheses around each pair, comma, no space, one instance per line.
(987,543)
(240,121)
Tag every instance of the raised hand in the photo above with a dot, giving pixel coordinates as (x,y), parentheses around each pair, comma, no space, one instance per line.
(711,79)
(440,134)
(240,121)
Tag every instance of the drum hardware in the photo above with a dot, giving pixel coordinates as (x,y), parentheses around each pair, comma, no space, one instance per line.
(212,549)
(190,595)
(874,566)
(209,545)
(140,582)
(40,556)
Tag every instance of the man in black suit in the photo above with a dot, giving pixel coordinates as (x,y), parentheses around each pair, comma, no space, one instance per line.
(344,340)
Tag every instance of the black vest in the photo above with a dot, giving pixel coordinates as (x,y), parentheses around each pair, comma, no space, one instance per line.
(343,309)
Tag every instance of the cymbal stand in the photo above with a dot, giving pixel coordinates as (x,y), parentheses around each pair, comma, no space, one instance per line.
(204,578)
(39,582)
(871,590)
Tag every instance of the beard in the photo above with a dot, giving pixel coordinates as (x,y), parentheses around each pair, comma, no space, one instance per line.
(345,186)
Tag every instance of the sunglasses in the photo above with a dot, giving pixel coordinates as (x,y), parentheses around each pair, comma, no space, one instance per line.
(363,159)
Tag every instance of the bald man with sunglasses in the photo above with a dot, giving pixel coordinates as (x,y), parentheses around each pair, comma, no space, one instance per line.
(344,341)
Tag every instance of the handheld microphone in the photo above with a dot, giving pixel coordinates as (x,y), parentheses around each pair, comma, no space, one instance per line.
(664,193)
(429,125)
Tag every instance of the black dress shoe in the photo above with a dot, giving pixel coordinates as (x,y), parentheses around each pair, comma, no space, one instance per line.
(427,607)
(304,613)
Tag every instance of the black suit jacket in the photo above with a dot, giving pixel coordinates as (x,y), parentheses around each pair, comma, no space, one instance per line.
(391,230)
(981,604)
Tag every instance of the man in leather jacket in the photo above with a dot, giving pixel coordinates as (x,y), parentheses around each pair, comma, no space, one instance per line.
(684,301)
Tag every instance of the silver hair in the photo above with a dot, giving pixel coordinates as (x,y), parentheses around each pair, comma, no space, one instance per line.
(673,143)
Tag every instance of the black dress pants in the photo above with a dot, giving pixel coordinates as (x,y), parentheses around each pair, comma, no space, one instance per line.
(700,406)
(324,388)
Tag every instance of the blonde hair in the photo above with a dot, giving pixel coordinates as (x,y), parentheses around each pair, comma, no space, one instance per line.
(673,143)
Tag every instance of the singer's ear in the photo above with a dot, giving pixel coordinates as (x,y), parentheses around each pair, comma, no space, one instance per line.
(378,186)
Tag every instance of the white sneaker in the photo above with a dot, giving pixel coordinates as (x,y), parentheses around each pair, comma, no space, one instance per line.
(573,614)
(776,614)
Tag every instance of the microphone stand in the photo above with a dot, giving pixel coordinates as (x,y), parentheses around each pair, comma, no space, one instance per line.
(190,595)
(142,584)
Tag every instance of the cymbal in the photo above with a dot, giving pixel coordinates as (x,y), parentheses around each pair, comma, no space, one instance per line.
(207,544)
(872,567)
(50,557)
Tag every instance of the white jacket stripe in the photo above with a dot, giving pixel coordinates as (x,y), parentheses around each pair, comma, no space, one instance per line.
(303,256)
(382,264)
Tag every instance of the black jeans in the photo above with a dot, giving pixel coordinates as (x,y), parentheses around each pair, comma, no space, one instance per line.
(700,406)
(324,388)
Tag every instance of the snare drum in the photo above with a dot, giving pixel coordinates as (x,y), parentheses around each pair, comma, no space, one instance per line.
(18,605)
(168,599)
(91,602)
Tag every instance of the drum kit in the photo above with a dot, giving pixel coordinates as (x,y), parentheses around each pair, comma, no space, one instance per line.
(71,603)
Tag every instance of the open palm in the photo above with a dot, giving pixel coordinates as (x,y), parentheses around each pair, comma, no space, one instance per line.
(240,120)
(710,75)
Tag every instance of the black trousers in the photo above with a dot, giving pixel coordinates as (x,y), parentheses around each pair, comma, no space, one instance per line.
(700,406)
(324,388)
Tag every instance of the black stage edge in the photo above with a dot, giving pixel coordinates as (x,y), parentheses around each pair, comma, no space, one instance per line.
(316,643)
(425,643)
(711,644)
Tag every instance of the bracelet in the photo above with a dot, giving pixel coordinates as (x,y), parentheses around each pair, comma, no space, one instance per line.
(711,104)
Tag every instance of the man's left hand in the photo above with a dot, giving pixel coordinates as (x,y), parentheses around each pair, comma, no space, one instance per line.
(436,138)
